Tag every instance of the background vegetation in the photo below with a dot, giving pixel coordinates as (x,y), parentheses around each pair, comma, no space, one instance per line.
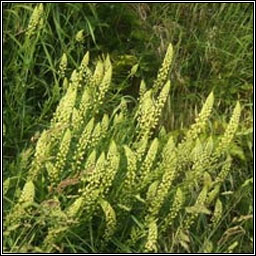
(213,50)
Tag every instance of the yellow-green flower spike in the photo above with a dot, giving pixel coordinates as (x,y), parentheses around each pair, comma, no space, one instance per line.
(85,60)
(148,162)
(96,176)
(84,73)
(63,65)
(92,191)
(107,63)
(98,74)
(152,191)
(186,146)
(151,242)
(41,155)
(80,36)
(36,20)
(164,70)
(141,147)
(168,150)
(89,165)
(52,236)
(74,79)
(112,150)
(199,204)
(52,172)
(202,118)
(28,193)
(63,151)
(118,118)
(110,218)
(162,132)
(113,159)
(143,89)
(224,171)
(76,120)
(83,142)
(212,194)
(202,196)
(104,125)
(64,110)
(73,210)
(230,131)
(105,83)
(25,155)
(217,214)
(65,84)
(91,159)
(163,188)
(162,98)
(134,70)
(25,200)
(85,103)
(146,114)
(201,158)
(207,180)
(131,168)
(175,208)
(96,135)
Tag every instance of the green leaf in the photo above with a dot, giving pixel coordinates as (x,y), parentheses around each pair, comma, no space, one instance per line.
(91,32)
(198,209)
(6,185)
(248,182)
(124,207)
(237,151)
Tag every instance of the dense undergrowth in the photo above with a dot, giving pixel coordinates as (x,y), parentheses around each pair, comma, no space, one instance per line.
(103,153)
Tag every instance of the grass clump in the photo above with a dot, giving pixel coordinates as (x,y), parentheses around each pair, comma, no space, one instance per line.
(104,171)
(84,161)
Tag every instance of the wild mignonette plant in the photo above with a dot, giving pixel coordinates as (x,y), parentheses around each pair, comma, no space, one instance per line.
(106,177)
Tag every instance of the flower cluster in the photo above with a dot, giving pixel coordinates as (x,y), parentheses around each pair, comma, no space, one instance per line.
(150,245)
(148,162)
(164,70)
(110,218)
(97,158)
(230,131)
(36,20)
(175,208)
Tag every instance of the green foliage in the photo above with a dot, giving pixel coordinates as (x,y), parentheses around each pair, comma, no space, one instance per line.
(106,171)
(99,186)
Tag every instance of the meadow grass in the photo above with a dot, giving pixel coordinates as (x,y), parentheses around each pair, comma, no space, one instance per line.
(212,52)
